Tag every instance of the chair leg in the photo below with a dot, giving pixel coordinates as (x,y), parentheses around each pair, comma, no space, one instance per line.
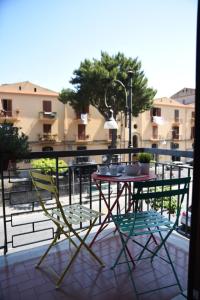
(48,249)
(170,261)
(124,249)
(82,243)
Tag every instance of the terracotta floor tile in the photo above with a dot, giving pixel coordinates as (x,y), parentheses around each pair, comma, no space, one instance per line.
(86,280)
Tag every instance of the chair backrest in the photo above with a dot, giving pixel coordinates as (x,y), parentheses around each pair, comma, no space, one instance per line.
(161,193)
(47,183)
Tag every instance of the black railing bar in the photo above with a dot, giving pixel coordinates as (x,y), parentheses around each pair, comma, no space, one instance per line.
(69,153)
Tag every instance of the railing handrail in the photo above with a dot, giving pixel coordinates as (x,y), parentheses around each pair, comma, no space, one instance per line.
(70,153)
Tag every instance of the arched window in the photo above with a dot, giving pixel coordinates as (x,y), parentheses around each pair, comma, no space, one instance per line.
(135,141)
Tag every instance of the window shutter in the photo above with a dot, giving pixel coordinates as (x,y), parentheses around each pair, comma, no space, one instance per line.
(47,106)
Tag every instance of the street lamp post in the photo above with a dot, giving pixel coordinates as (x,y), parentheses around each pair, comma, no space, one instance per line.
(130,84)
(128,109)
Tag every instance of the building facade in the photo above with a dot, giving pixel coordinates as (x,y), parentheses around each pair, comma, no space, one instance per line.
(52,125)
(168,125)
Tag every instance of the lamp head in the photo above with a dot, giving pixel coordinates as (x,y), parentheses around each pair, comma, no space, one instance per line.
(110,123)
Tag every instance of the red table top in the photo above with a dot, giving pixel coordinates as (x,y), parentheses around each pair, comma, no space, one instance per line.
(122,178)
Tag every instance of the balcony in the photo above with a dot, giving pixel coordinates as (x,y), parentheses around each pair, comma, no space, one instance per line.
(155,137)
(20,279)
(26,227)
(177,121)
(47,138)
(83,138)
(48,117)
(9,116)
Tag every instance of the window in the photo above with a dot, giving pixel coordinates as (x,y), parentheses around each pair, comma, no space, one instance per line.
(154,132)
(84,110)
(35,90)
(155,112)
(135,141)
(155,156)
(193,114)
(176,115)
(192,132)
(82,159)
(175,132)
(47,149)
(154,146)
(47,106)
(47,128)
(7,107)
(175,146)
(81,132)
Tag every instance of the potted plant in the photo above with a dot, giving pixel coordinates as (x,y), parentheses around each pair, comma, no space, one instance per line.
(13,144)
(145,158)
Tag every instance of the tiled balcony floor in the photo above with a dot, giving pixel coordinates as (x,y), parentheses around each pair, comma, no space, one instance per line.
(86,280)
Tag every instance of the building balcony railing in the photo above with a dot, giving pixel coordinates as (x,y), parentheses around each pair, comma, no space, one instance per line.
(176,137)
(9,116)
(46,137)
(177,121)
(47,116)
(155,137)
(83,138)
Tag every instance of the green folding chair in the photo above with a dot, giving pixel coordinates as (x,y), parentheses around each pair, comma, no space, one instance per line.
(154,224)
(66,218)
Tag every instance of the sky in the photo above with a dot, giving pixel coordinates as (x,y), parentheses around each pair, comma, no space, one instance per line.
(44,41)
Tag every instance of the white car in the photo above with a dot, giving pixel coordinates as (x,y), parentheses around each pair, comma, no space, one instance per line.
(175,165)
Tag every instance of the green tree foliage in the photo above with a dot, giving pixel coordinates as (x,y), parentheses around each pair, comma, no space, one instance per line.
(13,143)
(92,78)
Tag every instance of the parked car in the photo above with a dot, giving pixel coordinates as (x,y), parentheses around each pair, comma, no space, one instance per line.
(186,219)
(174,165)
(189,162)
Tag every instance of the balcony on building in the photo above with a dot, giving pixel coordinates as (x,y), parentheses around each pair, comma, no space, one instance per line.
(47,138)
(82,138)
(9,116)
(47,116)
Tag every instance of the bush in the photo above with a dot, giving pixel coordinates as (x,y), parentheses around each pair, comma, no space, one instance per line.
(145,157)
(165,203)
(48,165)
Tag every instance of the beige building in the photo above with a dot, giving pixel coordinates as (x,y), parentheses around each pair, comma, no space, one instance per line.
(51,125)
(36,111)
(168,125)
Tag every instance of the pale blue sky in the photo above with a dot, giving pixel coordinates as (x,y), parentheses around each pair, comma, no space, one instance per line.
(43,41)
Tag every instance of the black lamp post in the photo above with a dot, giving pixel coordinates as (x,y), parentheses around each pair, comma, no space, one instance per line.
(130,103)
(128,109)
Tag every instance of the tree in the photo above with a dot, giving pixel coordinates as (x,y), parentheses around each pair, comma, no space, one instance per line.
(92,78)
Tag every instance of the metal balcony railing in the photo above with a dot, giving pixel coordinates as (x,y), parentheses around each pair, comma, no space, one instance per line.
(50,116)
(11,116)
(23,222)
(47,137)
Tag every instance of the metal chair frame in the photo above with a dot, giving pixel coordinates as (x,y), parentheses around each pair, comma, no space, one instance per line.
(65,217)
(150,222)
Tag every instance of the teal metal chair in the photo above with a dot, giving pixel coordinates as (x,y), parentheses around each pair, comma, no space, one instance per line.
(161,196)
